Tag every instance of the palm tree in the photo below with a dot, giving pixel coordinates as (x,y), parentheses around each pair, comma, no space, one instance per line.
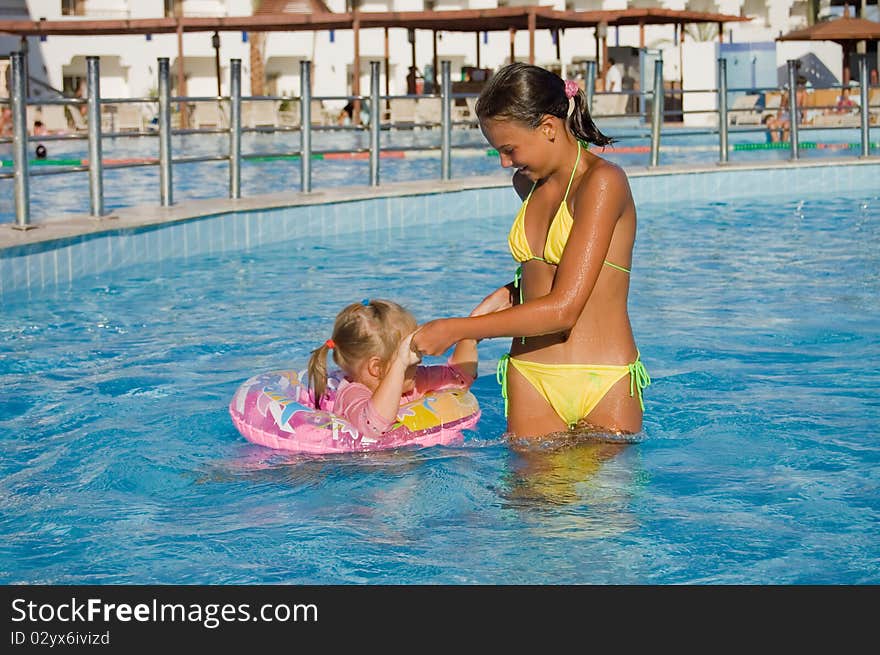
(702,31)
(256,42)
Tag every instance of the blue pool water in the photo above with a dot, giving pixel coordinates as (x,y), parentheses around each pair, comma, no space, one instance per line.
(758,322)
(55,195)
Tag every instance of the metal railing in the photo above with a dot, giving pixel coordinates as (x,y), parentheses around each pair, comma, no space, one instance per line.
(164,128)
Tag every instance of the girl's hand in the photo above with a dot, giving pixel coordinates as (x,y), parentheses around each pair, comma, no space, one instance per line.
(435,337)
(406,354)
(498,300)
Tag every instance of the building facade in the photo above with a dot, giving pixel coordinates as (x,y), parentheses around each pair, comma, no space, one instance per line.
(129,63)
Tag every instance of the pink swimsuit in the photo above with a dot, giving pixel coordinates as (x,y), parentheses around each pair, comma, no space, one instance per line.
(354,401)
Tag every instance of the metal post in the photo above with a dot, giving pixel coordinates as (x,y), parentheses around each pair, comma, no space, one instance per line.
(657,112)
(24,47)
(305,100)
(793,108)
(96,165)
(375,123)
(590,84)
(20,141)
(166,187)
(446,120)
(866,114)
(215,43)
(722,110)
(235,128)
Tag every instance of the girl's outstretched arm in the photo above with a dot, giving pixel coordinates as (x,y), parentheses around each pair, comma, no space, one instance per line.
(599,203)
(465,357)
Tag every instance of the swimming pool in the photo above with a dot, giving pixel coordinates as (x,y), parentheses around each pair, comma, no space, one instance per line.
(757,319)
(57,195)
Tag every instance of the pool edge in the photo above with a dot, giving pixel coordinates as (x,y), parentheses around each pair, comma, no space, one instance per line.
(70,226)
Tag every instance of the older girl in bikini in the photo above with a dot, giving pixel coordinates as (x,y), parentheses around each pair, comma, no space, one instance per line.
(573,362)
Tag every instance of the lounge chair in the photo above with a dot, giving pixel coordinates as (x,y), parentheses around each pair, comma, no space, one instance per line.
(320,115)
(129,117)
(837,120)
(609,104)
(428,111)
(461,111)
(259,113)
(772,102)
(207,115)
(745,111)
(52,116)
(75,118)
(403,112)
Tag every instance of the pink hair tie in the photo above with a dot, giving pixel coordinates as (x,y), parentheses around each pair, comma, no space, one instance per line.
(330,344)
(571,88)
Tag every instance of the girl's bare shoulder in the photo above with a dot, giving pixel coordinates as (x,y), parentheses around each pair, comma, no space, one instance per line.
(602,171)
(604,179)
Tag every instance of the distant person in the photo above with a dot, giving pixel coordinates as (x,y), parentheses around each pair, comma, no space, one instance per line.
(345,115)
(6,121)
(613,78)
(39,129)
(81,93)
(412,81)
(429,79)
(779,126)
(845,104)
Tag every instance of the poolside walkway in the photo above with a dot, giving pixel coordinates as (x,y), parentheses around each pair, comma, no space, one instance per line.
(69,226)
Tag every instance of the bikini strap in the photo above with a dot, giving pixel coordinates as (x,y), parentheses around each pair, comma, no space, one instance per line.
(617,266)
(573,171)
(501,377)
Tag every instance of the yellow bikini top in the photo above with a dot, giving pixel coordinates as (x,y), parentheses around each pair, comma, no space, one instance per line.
(557,234)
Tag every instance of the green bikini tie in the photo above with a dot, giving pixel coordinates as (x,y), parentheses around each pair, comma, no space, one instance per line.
(501,377)
(517,284)
(638,379)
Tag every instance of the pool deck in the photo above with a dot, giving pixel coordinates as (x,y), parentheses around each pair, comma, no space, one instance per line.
(74,225)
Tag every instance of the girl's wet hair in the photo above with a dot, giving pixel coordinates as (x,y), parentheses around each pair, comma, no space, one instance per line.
(526,93)
(372,328)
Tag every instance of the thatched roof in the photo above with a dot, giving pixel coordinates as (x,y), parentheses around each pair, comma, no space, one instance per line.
(286,16)
(840,30)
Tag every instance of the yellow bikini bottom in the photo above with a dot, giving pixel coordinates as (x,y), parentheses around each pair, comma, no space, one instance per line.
(574,390)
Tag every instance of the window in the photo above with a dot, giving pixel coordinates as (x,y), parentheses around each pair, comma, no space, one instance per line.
(73,7)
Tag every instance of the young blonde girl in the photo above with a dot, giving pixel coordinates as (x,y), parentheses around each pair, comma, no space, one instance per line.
(372,344)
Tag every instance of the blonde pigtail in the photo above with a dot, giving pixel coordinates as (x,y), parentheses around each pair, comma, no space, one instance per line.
(318,372)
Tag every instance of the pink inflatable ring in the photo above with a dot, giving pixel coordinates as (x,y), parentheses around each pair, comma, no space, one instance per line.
(277,410)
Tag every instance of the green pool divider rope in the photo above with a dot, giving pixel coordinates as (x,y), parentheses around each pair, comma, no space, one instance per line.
(7,163)
(805,145)
(773,145)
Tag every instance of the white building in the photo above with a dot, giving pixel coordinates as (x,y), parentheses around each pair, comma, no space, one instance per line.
(129,63)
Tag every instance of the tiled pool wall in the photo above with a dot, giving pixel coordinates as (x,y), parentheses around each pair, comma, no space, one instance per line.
(48,263)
